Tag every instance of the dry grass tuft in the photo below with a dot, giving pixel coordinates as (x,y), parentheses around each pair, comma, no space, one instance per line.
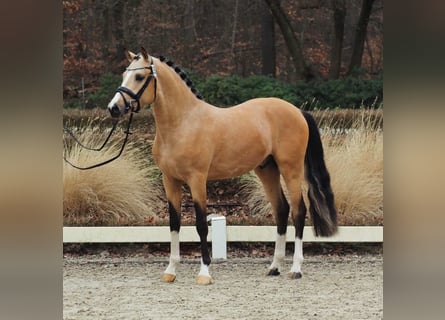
(123,192)
(255,198)
(354,158)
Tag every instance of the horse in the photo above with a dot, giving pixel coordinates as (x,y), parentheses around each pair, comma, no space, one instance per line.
(196,142)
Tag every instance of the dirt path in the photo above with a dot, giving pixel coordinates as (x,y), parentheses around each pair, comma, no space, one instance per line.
(332,287)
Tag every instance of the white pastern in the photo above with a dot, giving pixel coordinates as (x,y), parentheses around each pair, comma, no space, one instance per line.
(298,256)
(174,253)
(280,252)
(204,270)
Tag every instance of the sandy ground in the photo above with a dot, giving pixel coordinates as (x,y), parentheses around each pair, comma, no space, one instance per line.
(103,286)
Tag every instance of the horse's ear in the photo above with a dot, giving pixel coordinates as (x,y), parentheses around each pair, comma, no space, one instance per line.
(129,55)
(144,53)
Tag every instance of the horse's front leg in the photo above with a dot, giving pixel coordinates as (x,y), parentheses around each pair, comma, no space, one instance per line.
(173,190)
(198,188)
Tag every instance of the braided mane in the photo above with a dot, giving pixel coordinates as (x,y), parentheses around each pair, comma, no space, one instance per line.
(183,76)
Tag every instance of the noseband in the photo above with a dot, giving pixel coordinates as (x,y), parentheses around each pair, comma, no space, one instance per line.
(137,96)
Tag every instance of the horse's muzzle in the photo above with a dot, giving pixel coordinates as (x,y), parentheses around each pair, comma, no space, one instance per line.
(115,111)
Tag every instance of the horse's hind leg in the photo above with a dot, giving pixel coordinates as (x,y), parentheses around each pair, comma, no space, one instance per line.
(298,218)
(270,178)
(298,211)
(174,194)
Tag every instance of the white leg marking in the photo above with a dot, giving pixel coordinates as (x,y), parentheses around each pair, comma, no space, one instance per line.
(174,253)
(280,252)
(204,270)
(298,256)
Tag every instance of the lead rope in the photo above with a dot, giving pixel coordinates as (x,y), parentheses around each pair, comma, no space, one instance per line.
(127,133)
(89,148)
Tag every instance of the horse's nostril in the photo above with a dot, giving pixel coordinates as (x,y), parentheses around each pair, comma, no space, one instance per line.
(114,111)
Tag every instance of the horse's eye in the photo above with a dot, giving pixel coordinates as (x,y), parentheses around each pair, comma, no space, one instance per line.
(139,77)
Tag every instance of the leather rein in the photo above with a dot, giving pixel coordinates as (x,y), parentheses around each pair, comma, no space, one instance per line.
(128,106)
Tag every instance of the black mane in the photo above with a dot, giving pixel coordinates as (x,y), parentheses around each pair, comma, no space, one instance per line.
(183,76)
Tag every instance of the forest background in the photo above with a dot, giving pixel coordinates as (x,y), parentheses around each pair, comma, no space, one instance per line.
(313,53)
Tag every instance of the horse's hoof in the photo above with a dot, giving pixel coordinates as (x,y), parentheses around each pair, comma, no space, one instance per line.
(273,272)
(204,280)
(295,275)
(168,277)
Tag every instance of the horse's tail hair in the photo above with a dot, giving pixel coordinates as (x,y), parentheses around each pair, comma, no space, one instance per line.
(321,197)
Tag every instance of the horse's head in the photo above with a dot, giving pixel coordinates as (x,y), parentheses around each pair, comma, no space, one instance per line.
(137,88)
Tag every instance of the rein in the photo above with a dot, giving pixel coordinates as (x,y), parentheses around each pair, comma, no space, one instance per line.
(127,133)
(128,106)
(89,148)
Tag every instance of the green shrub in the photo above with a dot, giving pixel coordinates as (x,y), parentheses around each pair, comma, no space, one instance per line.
(228,91)
(341,93)
(350,92)
(262,86)
(220,91)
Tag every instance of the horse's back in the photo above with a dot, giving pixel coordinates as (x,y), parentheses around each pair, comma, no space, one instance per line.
(246,134)
(283,118)
(272,109)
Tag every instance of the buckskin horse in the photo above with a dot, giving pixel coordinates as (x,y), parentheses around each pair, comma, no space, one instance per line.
(196,142)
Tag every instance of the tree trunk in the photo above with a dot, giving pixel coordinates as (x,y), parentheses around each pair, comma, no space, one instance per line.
(189,22)
(235,21)
(339,10)
(189,30)
(360,35)
(371,57)
(118,30)
(301,68)
(113,39)
(268,43)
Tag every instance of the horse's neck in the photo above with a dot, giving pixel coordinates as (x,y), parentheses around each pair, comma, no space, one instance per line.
(174,100)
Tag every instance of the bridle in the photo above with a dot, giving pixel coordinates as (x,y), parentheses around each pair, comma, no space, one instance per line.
(137,96)
(128,106)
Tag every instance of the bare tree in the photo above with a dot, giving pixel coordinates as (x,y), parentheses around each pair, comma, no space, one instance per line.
(302,70)
(234,27)
(360,35)
(268,50)
(189,30)
(339,13)
(113,31)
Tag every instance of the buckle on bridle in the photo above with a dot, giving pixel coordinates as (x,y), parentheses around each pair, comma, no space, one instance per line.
(135,105)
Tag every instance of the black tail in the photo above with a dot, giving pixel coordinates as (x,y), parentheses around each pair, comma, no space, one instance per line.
(321,198)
